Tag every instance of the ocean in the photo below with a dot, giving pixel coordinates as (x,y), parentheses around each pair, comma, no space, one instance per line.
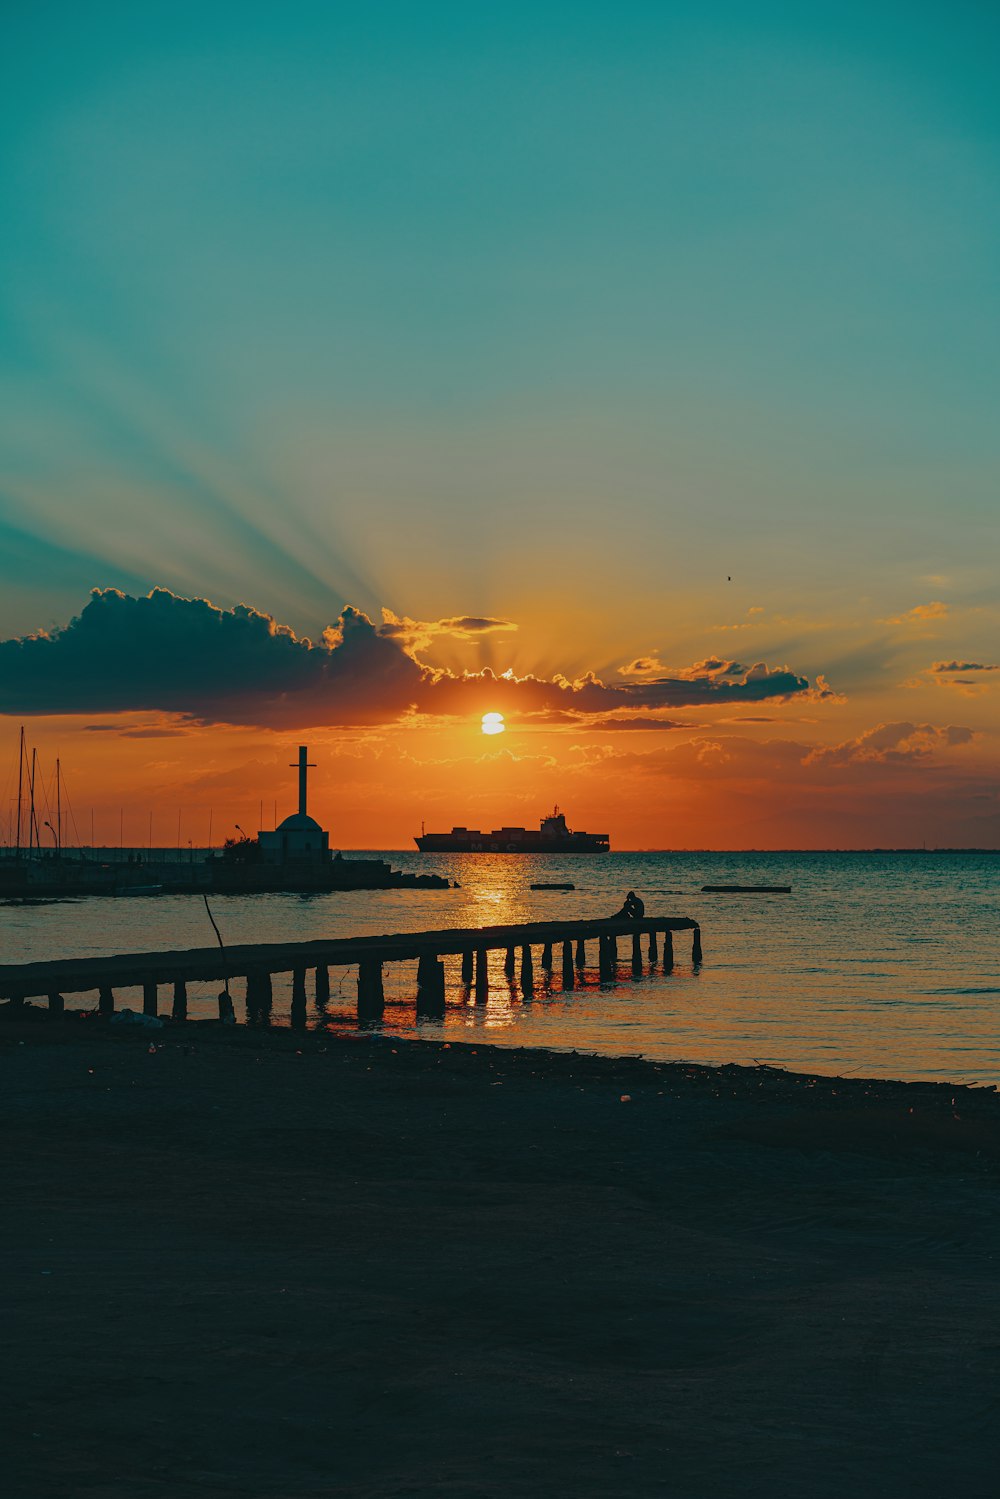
(876,964)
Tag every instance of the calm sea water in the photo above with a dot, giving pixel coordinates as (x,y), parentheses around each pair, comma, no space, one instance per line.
(877,964)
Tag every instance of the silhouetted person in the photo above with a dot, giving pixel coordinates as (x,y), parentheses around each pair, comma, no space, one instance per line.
(633,910)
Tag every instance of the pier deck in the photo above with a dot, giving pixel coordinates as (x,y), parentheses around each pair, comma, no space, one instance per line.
(258,962)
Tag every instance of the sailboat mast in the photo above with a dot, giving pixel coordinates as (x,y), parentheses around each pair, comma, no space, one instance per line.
(58,809)
(20,788)
(32,824)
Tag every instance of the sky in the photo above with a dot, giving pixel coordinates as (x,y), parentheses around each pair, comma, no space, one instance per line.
(629,370)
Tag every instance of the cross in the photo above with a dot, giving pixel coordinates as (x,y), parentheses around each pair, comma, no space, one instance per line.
(305,766)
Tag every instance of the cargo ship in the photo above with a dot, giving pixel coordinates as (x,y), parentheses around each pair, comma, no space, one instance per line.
(553,837)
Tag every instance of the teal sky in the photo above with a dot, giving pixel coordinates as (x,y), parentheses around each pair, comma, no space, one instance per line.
(563,313)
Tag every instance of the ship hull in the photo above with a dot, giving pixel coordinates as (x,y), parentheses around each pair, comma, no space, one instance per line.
(487,843)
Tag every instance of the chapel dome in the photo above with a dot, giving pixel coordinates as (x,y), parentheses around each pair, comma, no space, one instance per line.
(299,822)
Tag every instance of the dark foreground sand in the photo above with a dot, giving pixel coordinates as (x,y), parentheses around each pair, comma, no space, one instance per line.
(261,1265)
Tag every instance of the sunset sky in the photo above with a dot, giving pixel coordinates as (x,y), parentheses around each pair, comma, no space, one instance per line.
(630,370)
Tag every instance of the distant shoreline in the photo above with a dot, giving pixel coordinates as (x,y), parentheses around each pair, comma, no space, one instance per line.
(185,855)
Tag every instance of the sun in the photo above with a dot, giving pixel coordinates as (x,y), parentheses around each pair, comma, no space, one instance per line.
(493,723)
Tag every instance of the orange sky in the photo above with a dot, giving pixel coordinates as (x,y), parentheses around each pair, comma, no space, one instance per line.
(906,757)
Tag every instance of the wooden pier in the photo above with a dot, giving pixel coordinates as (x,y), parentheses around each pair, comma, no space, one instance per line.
(256,965)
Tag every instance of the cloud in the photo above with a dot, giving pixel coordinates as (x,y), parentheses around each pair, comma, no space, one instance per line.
(211,665)
(239,666)
(822,692)
(173,732)
(920,614)
(642,666)
(417,634)
(960,666)
(559,717)
(444,692)
(746,624)
(893,744)
(712,666)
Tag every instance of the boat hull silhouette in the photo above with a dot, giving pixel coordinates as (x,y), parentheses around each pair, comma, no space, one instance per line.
(553,837)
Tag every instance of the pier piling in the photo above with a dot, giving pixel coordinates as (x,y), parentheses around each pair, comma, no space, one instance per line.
(636,955)
(509,962)
(180,1005)
(57,1004)
(482,974)
(568,971)
(467,966)
(149,997)
(430,987)
(371,995)
(581,953)
(322,986)
(696,955)
(653,951)
(105,1000)
(258,996)
(547,956)
(668,951)
(527,970)
(298,1014)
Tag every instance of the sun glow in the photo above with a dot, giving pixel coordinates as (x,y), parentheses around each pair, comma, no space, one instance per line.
(493,723)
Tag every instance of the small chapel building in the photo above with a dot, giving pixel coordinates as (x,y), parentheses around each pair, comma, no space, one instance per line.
(299,839)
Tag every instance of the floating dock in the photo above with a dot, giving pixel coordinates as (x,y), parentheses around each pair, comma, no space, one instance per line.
(257,964)
(746,889)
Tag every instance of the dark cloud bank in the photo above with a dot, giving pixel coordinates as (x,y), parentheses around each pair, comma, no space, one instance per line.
(238,666)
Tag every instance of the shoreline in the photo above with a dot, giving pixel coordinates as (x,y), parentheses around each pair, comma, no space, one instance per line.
(263,1262)
(33,1022)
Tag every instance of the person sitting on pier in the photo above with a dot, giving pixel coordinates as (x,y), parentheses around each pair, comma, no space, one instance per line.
(633,910)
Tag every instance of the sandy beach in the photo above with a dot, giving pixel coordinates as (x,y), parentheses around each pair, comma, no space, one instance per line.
(243,1263)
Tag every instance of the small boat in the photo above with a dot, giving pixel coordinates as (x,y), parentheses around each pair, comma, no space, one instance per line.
(553,887)
(141,890)
(746,889)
